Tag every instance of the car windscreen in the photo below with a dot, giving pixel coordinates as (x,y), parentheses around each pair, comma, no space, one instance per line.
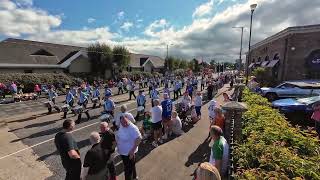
(309,100)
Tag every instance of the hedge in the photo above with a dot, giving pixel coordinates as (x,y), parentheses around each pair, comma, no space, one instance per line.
(138,74)
(30,79)
(271,148)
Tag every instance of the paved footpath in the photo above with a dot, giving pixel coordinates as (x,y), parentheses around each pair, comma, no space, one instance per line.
(178,158)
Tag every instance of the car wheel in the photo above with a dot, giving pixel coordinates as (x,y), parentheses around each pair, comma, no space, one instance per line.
(271,96)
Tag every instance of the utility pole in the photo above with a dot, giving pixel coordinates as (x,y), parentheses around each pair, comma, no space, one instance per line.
(240,54)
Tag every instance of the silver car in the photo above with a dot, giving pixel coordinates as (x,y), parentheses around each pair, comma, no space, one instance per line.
(292,89)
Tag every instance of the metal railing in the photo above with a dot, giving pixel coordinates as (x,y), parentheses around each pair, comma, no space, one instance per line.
(231,169)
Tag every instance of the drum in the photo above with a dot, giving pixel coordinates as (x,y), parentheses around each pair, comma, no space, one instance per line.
(94,100)
(48,104)
(78,109)
(65,108)
(140,108)
(104,117)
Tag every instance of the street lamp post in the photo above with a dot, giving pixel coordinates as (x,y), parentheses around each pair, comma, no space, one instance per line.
(240,54)
(252,7)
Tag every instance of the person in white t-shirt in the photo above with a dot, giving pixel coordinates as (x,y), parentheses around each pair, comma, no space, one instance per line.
(212,106)
(156,119)
(123,108)
(176,124)
(128,139)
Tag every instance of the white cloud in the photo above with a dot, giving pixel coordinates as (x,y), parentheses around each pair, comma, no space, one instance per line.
(156,27)
(91,20)
(120,15)
(76,37)
(126,26)
(24,2)
(203,9)
(140,20)
(15,21)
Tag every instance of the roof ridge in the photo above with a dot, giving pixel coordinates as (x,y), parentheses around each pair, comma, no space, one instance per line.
(10,40)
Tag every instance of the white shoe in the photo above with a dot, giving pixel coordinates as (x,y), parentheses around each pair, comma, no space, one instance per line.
(154,144)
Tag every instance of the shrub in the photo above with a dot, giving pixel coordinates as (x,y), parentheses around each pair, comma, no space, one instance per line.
(31,79)
(272,148)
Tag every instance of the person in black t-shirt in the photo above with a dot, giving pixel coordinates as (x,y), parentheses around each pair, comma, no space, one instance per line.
(95,161)
(69,151)
(108,143)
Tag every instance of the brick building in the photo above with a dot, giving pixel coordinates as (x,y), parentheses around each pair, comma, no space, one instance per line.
(291,54)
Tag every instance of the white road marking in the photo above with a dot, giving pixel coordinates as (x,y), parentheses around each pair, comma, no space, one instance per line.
(21,150)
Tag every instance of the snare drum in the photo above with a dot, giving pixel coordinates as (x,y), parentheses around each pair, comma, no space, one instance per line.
(140,108)
(48,104)
(104,117)
(94,100)
(78,109)
(65,108)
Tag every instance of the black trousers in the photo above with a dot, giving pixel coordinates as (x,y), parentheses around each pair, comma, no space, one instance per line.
(131,93)
(74,171)
(179,90)
(129,167)
(202,87)
(175,94)
(120,90)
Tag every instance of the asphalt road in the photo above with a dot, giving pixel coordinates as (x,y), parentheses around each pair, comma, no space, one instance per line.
(34,130)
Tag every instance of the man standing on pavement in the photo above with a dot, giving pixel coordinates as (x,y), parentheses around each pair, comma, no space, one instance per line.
(108,143)
(176,90)
(166,114)
(69,151)
(95,161)
(156,118)
(219,151)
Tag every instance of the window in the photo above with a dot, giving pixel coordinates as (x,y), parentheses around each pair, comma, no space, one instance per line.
(42,52)
(276,56)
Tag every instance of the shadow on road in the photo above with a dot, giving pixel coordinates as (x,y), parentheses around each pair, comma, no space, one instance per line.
(201,154)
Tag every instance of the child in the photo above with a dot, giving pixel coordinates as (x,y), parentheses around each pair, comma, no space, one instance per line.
(176,126)
(194,116)
(198,104)
(316,117)
(146,125)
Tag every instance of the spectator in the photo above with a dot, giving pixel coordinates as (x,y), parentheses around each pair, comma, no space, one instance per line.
(210,91)
(146,125)
(212,106)
(128,139)
(219,119)
(226,97)
(156,114)
(37,89)
(123,112)
(95,161)
(13,88)
(69,151)
(219,151)
(207,171)
(108,143)
(198,104)
(316,117)
(176,126)
(166,114)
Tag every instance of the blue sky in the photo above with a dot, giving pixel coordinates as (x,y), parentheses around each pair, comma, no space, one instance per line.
(195,28)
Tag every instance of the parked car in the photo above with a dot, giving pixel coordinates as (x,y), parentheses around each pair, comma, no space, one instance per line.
(292,89)
(297,109)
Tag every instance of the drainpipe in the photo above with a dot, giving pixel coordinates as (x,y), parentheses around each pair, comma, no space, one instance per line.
(284,60)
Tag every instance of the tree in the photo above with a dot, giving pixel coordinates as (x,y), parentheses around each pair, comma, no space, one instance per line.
(101,57)
(121,56)
(196,66)
(183,64)
(213,62)
(176,64)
